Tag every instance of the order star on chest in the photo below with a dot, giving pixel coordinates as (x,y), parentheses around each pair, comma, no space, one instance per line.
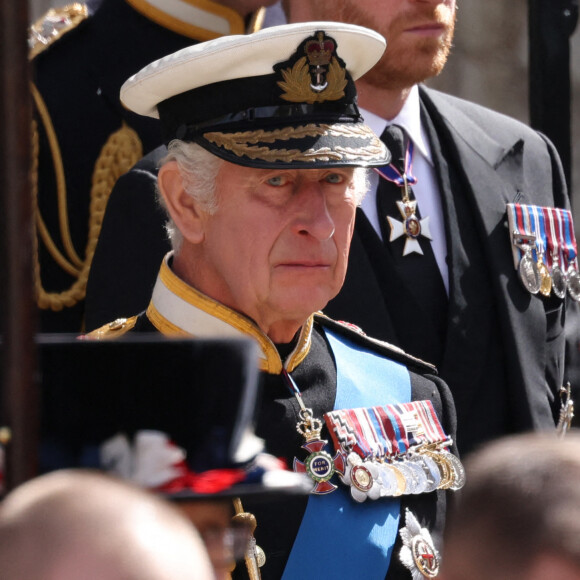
(411,227)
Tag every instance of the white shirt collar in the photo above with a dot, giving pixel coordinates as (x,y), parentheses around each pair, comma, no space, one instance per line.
(409,118)
(177,309)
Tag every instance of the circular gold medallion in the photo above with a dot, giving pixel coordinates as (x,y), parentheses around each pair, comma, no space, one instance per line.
(444,467)
(361,478)
(401,481)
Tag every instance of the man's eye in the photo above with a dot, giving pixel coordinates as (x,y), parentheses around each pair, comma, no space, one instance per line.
(334,178)
(277,181)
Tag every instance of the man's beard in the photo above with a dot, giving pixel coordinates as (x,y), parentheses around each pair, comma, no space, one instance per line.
(403,64)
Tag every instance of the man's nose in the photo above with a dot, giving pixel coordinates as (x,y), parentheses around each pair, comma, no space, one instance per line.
(313,217)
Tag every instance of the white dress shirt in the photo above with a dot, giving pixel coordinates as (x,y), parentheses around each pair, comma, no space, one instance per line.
(426,189)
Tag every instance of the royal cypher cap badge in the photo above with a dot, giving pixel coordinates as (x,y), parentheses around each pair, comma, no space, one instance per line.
(317,76)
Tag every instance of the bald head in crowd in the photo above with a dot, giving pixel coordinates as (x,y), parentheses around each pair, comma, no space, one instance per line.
(518,517)
(71,524)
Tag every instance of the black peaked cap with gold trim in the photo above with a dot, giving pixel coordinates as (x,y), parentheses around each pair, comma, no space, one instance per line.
(281,97)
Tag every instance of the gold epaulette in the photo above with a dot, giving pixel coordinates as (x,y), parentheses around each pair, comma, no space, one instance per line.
(112,330)
(54,25)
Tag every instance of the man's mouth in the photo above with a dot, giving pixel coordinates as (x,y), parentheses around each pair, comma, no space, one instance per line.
(306,264)
(428,29)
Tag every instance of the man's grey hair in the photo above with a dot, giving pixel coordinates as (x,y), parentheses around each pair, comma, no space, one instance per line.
(200,168)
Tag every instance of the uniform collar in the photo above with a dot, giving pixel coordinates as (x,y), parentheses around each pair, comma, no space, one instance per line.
(409,118)
(198,19)
(177,309)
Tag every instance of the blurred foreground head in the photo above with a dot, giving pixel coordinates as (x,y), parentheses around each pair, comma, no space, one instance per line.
(518,516)
(72,524)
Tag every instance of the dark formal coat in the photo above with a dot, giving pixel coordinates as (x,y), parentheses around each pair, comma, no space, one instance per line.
(503,350)
(277,410)
(84,137)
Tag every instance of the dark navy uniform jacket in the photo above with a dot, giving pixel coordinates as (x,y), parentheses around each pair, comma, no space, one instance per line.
(313,367)
(77,75)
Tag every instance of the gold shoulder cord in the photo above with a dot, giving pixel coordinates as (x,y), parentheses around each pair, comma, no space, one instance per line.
(257,20)
(121,151)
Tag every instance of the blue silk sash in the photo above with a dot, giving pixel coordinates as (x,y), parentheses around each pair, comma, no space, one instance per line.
(338,537)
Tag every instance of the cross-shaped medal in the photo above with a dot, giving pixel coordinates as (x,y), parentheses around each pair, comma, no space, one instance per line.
(411,227)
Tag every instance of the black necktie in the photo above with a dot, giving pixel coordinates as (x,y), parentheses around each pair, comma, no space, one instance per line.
(403,232)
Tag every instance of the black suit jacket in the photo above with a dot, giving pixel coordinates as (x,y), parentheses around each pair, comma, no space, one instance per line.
(497,160)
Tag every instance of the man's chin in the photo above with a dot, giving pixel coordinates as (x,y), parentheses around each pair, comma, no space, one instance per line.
(300,304)
(411,61)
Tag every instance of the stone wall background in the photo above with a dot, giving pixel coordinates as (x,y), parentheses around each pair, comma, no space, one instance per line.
(488,65)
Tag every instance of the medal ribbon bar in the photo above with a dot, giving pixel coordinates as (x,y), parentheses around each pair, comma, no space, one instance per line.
(544,249)
(393,450)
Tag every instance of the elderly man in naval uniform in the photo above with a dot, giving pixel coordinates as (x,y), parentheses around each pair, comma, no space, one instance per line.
(265,170)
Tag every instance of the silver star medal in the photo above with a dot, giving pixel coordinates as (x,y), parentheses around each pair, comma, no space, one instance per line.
(418,553)
(411,226)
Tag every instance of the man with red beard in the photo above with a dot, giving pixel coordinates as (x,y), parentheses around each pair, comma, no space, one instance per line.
(433,266)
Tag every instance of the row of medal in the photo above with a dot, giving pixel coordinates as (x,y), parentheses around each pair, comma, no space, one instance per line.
(419,471)
(544,249)
(385,451)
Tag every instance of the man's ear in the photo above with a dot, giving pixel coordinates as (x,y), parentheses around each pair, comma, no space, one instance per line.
(182,207)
